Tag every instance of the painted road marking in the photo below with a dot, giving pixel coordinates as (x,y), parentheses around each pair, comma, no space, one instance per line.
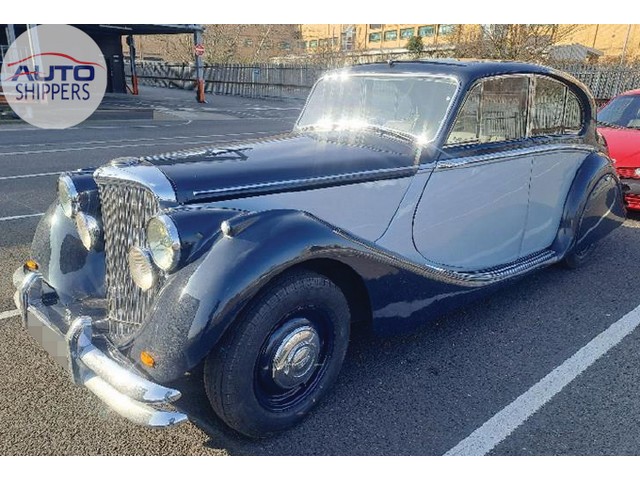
(501,425)
(18,217)
(10,314)
(31,175)
(154,143)
(129,140)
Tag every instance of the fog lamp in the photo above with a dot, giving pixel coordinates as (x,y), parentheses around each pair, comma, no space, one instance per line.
(141,268)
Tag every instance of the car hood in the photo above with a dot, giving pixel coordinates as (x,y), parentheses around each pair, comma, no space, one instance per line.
(296,161)
(624,145)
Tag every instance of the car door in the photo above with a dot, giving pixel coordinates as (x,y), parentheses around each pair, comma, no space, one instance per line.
(556,121)
(473,210)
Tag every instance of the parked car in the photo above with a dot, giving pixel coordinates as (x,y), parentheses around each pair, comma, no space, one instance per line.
(619,124)
(404,191)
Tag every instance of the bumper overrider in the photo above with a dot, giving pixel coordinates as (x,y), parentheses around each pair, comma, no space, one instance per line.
(90,358)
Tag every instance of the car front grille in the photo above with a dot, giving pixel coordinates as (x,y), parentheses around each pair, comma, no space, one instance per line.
(126,209)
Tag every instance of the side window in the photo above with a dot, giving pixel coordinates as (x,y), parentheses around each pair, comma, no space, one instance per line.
(467,126)
(494,111)
(572,114)
(548,107)
(555,110)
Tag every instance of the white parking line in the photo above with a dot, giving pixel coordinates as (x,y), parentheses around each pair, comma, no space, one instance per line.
(502,424)
(31,175)
(121,143)
(10,314)
(19,217)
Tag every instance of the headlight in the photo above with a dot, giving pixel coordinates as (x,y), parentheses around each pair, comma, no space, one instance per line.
(637,172)
(67,195)
(141,268)
(164,242)
(89,230)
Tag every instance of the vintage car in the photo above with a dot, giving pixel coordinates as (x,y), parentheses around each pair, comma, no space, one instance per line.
(404,191)
(619,124)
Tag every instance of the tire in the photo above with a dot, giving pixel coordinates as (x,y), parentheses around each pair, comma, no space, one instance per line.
(578,258)
(301,320)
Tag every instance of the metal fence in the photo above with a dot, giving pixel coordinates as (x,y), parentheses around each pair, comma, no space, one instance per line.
(605,81)
(295,81)
(262,80)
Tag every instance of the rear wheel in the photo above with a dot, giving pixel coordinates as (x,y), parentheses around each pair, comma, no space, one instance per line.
(578,257)
(282,356)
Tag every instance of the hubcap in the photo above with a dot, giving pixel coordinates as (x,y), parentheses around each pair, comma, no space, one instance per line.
(296,357)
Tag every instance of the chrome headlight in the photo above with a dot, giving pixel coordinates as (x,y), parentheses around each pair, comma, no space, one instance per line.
(164,242)
(141,268)
(89,230)
(67,196)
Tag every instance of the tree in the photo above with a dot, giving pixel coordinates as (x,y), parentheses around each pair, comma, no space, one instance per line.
(414,46)
(525,42)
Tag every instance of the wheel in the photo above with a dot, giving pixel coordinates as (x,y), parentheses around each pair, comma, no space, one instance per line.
(577,258)
(281,357)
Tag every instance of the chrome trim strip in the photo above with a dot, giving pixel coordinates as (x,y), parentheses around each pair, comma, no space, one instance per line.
(476,160)
(326,181)
(131,169)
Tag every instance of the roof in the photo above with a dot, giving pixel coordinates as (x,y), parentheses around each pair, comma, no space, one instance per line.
(140,29)
(466,70)
(574,52)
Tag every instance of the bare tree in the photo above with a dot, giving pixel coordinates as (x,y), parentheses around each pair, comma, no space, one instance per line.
(525,42)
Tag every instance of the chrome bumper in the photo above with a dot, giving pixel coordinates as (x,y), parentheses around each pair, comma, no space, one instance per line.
(91,359)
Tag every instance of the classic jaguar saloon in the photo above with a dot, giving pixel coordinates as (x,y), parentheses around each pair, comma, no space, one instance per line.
(404,191)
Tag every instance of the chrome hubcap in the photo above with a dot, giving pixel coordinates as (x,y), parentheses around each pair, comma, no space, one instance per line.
(296,358)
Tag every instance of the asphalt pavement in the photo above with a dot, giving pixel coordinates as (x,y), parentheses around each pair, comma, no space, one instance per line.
(434,391)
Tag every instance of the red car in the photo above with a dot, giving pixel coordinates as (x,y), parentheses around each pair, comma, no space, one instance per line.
(619,124)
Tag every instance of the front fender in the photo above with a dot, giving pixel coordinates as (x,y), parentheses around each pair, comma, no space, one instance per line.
(200,301)
(65,264)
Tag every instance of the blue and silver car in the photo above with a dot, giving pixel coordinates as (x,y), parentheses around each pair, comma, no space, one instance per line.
(405,190)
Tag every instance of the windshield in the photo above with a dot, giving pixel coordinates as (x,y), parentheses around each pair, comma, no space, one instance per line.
(622,111)
(410,105)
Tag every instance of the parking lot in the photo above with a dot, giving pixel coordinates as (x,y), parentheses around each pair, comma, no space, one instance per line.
(548,366)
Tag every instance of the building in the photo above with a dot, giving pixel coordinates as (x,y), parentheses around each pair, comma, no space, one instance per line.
(373,38)
(601,42)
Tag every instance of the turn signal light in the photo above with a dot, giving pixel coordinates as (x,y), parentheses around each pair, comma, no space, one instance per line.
(31,265)
(147,359)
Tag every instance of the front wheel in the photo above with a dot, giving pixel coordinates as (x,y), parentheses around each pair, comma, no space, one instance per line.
(281,357)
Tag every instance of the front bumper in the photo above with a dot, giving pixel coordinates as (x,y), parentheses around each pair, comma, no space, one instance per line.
(89,356)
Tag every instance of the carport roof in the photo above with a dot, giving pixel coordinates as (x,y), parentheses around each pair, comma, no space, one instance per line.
(140,29)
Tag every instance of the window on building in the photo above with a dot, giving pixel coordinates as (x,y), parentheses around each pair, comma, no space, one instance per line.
(313,44)
(285,45)
(407,33)
(375,26)
(427,31)
(445,29)
(390,35)
(322,42)
(375,37)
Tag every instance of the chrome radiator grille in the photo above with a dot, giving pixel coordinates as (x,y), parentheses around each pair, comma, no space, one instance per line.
(126,209)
